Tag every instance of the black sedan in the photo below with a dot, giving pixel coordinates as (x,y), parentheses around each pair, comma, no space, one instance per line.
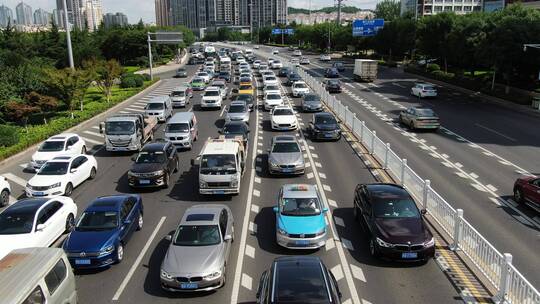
(284,71)
(181,73)
(332,85)
(339,66)
(396,227)
(331,73)
(233,129)
(225,76)
(248,98)
(292,77)
(154,165)
(324,126)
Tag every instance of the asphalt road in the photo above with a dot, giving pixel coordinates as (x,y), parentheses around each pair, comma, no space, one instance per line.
(333,166)
(472,161)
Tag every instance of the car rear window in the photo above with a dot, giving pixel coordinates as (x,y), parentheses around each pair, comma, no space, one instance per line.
(300,285)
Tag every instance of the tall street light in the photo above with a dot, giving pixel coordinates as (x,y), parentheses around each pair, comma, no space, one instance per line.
(251,19)
(68,36)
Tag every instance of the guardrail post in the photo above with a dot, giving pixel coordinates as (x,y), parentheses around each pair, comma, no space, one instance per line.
(500,297)
(345,114)
(402,175)
(353,120)
(386,151)
(458,217)
(362,126)
(373,142)
(427,188)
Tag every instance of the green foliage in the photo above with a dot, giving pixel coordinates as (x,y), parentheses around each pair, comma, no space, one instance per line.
(388,10)
(9,135)
(432,67)
(331,9)
(131,81)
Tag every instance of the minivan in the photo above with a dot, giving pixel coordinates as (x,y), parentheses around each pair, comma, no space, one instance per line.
(159,107)
(180,96)
(37,275)
(182,129)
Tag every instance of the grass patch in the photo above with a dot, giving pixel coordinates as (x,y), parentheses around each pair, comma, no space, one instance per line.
(131,69)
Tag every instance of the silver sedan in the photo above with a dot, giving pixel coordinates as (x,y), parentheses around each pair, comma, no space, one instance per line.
(285,156)
(419,118)
(199,250)
(237,111)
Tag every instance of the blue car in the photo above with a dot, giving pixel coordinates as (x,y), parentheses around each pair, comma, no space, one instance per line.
(103,230)
(300,220)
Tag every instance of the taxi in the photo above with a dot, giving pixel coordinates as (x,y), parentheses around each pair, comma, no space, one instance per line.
(300,222)
(246,89)
(245,81)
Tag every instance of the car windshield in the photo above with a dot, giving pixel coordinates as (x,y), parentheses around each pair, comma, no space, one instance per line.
(97,220)
(429,88)
(237,109)
(224,74)
(233,129)
(197,80)
(273,96)
(333,82)
(119,128)
(311,98)
(325,120)
(197,235)
(16,222)
(155,106)
(218,163)
(52,146)
(294,76)
(181,71)
(245,87)
(177,128)
(211,93)
(271,88)
(281,112)
(285,147)
(397,207)
(300,206)
(270,78)
(245,79)
(425,112)
(202,74)
(54,168)
(178,94)
(300,85)
(150,157)
(338,64)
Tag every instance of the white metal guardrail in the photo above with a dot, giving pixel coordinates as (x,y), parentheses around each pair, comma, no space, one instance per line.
(510,284)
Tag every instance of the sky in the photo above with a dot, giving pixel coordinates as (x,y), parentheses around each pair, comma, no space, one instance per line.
(137,9)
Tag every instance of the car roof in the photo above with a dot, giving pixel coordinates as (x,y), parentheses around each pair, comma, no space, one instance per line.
(212,88)
(181,117)
(111,202)
(238,103)
(207,214)
(155,146)
(299,190)
(387,190)
(321,114)
(299,82)
(27,205)
(159,98)
(283,138)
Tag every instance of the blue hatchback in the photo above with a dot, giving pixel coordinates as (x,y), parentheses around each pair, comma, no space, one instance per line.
(103,230)
(300,220)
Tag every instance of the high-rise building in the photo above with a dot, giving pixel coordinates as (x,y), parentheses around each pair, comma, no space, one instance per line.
(227,12)
(266,12)
(194,14)
(163,12)
(42,17)
(93,14)
(75,11)
(59,18)
(24,14)
(433,7)
(6,16)
(118,19)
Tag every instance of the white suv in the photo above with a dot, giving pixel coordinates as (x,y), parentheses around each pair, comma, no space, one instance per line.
(299,88)
(65,144)
(211,98)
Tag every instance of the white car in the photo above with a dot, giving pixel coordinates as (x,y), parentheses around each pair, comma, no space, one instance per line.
(221,84)
(204,76)
(297,53)
(270,80)
(272,100)
(35,222)
(283,118)
(256,47)
(424,90)
(299,89)
(276,64)
(5,189)
(275,51)
(60,175)
(267,73)
(246,75)
(295,62)
(57,145)
(325,57)
(271,89)
(256,64)
(263,66)
(304,60)
(211,98)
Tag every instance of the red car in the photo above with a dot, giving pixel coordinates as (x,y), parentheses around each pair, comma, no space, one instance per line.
(527,190)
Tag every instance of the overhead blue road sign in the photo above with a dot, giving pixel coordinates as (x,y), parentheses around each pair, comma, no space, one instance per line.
(367,27)
(288,31)
(276,31)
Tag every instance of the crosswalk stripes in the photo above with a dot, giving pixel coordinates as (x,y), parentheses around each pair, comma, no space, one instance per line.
(93,141)
(124,112)
(14,178)
(134,110)
(137,106)
(95,127)
(92,133)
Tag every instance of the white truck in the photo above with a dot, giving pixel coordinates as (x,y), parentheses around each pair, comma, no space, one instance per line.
(127,132)
(222,163)
(365,69)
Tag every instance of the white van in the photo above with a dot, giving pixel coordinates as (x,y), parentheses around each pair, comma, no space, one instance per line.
(37,275)
(159,107)
(180,96)
(182,129)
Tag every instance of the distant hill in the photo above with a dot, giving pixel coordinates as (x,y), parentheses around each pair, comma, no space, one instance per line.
(330,9)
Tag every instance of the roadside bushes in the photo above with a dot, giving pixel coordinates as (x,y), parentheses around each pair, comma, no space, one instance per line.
(9,135)
(131,81)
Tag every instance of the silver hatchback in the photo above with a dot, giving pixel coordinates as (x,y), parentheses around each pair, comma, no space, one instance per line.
(199,250)
(285,156)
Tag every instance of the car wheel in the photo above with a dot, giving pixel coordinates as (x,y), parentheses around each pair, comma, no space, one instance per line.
(69,189)
(373,248)
(411,125)
(140,222)
(167,178)
(83,150)
(93,173)
(70,223)
(224,276)
(355,213)
(518,195)
(119,253)
(4,198)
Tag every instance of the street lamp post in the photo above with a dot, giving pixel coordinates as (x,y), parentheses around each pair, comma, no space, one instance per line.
(251,20)
(68,37)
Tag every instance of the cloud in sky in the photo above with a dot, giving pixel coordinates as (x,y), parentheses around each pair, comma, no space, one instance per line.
(137,9)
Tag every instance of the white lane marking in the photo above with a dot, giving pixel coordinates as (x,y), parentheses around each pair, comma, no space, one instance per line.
(337,272)
(134,110)
(459,165)
(259,151)
(327,188)
(318,165)
(329,245)
(358,273)
(252,227)
(124,112)
(332,203)
(239,277)
(250,251)
(364,301)
(137,106)
(322,175)
(255,208)
(339,221)
(314,155)
(479,187)
(495,201)
(24,165)
(491,187)
(95,127)
(95,142)
(258,180)
(247,281)
(309,175)
(222,111)
(256,193)
(474,175)
(14,178)
(495,132)
(347,244)
(122,286)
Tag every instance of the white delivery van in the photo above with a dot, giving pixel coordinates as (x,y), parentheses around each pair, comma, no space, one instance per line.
(159,107)
(180,96)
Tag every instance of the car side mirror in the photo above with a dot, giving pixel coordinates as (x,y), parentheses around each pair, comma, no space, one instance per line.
(325,210)
(276,209)
(40,227)
(423,211)
(74,170)
(227,237)
(68,148)
(127,222)
(168,237)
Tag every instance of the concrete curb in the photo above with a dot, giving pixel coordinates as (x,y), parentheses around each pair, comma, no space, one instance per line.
(16,157)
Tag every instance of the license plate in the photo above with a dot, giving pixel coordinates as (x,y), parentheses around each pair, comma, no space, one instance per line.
(189,285)
(219,192)
(144,181)
(82,262)
(39,193)
(327,135)
(302,242)
(409,255)
(288,170)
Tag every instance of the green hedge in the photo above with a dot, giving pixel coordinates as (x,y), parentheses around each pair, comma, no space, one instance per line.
(9,135)
(35,134)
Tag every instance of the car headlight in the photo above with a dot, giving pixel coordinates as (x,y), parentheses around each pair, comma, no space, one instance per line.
(158,173)
(383,243)
(55,185)
(107,250)
(130,173)
(165,275)
(282,232)
(430,242)
(273,164)
(214,275)
(321,232)
(234,183)
(203,184)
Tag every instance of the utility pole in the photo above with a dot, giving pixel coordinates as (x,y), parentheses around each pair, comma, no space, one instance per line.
(149,55)
(338,20)
(68,37)
(309,12)
(251,20)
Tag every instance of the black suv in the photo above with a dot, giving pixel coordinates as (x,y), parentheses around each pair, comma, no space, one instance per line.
(331,73)
(332,85)
(284,71)
(396,227)
(324,126)
(298,279)
(154,165)
(292,77)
